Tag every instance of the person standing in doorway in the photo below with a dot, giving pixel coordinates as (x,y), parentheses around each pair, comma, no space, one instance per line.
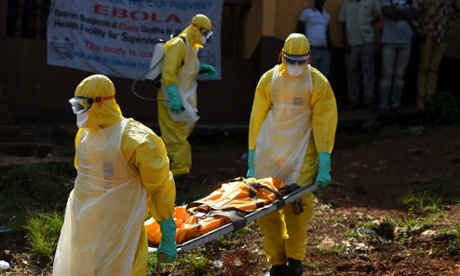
(396,41)
(435,17)
(358,17)
(314,23)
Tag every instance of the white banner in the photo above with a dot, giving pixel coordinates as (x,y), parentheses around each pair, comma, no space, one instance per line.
(117,37)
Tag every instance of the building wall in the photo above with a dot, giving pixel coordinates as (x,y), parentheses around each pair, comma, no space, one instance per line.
(279,18)
(39,92)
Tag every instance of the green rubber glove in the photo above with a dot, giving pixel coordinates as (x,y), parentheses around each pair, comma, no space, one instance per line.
(250,172)
(174,100)
(323,178)
(209,69)
(167,250)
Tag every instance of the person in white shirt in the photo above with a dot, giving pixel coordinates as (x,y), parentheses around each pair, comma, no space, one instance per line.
(314,23)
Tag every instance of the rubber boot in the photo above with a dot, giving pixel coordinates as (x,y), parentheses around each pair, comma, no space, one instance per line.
(294,267)
(278,270)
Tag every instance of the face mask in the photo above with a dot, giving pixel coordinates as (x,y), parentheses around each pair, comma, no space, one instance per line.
(82,119)
(295,70)
(203,39)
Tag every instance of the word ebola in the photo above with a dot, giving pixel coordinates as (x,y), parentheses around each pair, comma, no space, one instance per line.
(138,15)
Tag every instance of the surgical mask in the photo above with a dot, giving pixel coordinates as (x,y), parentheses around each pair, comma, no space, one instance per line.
(295,70)
(203,39)
(205,35)
(82,119)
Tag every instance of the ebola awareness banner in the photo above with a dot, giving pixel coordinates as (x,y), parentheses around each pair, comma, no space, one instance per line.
(117,37)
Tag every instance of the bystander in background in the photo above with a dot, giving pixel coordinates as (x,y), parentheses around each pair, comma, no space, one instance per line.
(396,40)
(314,23)
(358,17)
(434,20)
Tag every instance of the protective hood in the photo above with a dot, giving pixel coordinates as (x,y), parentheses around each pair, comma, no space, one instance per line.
(104,112)
(194,30)
(297,45)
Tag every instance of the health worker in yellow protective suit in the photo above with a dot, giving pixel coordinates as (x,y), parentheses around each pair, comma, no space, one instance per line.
(291,137)
(122,172)
(178,114)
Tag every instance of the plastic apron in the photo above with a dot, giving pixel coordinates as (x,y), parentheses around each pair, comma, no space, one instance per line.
(186,86)
(284,135)
(105,211)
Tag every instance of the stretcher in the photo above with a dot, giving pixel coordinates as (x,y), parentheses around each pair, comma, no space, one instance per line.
(210,239)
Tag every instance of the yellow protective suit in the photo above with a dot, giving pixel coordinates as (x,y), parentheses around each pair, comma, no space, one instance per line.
(180,67)
(123,172)
(291,112)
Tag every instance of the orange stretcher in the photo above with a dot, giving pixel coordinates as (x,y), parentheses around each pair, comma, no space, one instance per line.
(267,195)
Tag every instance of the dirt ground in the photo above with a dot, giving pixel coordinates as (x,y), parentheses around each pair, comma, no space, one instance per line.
(369,182)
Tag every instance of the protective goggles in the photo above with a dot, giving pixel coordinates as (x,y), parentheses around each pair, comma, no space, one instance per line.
(293,59)
(206,33)
(82,104)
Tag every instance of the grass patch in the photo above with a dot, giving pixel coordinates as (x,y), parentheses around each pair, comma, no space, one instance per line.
(39,192)
(446,108)
(420,204)
(314,266)
(40,186)
(425,212)
(197,261)
(43,233)
(444,189)
(238,236)
(456,230)
(193,262)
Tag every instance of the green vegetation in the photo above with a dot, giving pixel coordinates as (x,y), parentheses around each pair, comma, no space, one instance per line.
(29,187)
(440,188)
(425,213)
(194,262)
(43,233)
(33,201)
(314,266)
(445,109)
(420,204)
(237,236)
(33,198)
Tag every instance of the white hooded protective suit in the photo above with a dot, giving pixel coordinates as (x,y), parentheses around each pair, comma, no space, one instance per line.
(293,118)
(123,172)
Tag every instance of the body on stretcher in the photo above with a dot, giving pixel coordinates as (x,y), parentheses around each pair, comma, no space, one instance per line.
(209,238)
